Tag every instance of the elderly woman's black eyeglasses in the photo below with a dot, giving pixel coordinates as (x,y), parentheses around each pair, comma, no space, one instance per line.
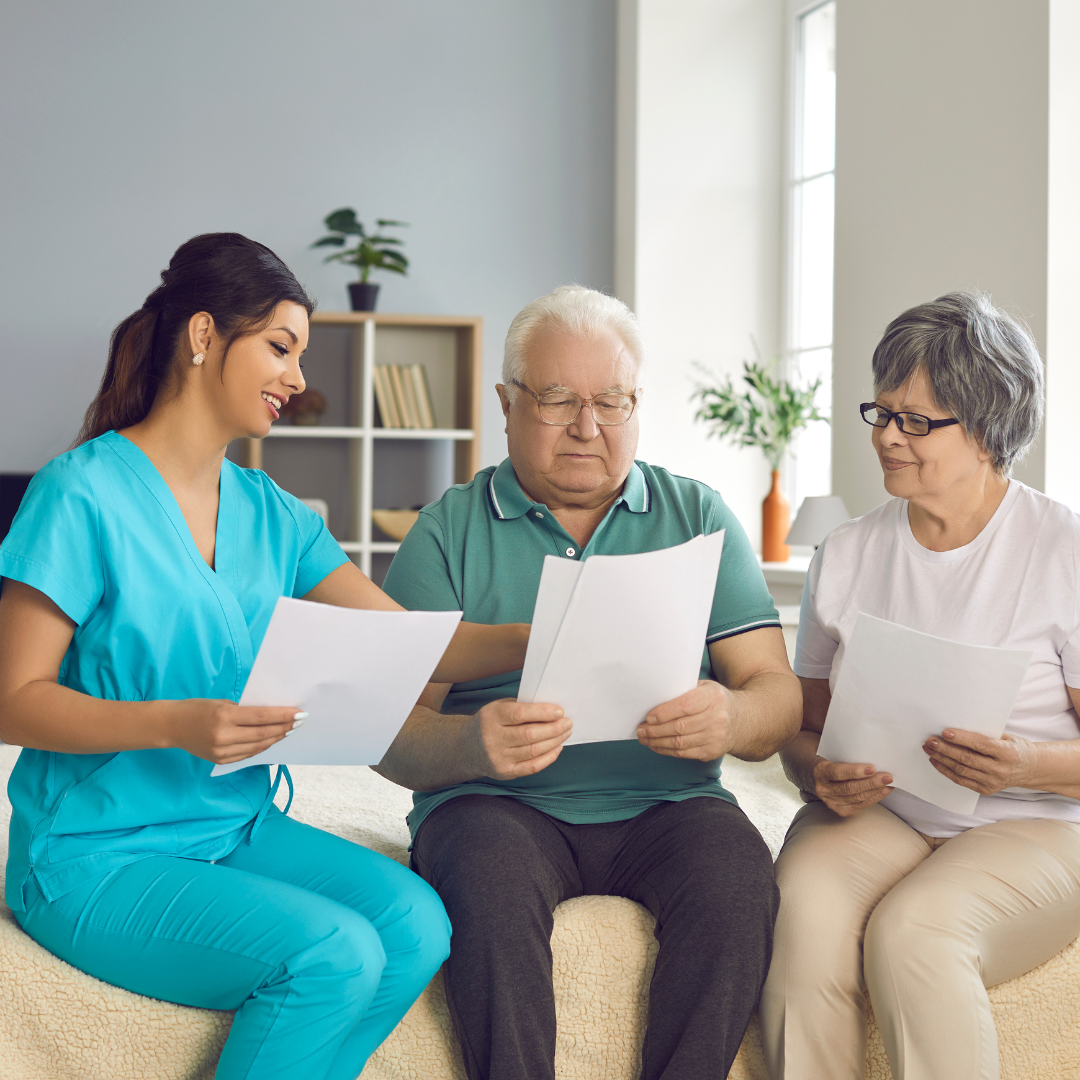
(561,408)
(909,423)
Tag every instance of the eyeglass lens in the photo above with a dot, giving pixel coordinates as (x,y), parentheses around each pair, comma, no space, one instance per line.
(608,409)
(909,423)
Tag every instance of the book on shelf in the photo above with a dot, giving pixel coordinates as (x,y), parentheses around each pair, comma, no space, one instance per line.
(403,396)
(384,398)
(394,372)
(408,393)
(423,395)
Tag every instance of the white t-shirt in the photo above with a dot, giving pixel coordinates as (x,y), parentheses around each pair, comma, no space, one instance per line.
(1014,586)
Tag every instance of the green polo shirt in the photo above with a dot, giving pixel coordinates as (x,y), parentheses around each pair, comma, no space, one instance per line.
(480,549)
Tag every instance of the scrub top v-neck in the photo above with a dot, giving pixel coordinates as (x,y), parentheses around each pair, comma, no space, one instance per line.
(100,533)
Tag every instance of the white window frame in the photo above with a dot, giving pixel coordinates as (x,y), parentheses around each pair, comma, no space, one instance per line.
(796,9)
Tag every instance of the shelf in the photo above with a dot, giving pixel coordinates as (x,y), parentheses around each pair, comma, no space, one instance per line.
(384,318)
(376,547)
(351,462)
(315,432)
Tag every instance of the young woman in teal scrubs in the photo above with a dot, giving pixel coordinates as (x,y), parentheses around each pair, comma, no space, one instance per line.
(139,578)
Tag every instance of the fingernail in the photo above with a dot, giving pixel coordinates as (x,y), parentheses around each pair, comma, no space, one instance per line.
(296,724)
(869,770)
(949,734)
(932,743)
(300,716)
(288,733)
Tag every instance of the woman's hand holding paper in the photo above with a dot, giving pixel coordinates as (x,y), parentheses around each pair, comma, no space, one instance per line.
(223,732)
(982,764)
(848,789)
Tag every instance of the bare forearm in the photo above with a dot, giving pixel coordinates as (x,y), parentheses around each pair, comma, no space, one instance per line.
(766,715)
(433,751)
(1057,768)
(477,651)
(47,716)
(799,758)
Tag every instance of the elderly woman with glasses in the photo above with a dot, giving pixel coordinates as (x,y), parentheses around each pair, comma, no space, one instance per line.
(887,899)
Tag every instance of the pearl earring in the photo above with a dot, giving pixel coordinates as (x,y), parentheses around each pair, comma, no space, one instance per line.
(197,359)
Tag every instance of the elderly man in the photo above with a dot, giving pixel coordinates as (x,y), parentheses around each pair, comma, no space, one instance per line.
(507,822)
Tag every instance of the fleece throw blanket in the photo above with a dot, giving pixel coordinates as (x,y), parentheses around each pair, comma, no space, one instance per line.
(58,1024)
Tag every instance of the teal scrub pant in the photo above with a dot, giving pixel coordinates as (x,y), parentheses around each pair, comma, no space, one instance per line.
(320,945)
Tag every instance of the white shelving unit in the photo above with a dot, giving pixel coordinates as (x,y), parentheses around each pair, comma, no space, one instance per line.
(450,349)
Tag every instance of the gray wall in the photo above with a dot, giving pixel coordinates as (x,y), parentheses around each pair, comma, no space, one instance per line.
(941,184)
(127,127)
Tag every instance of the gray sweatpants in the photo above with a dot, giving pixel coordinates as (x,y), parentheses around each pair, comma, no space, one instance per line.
(501,868)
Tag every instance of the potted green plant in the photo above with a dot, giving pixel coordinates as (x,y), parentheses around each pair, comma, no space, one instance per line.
(768,415)
(372,251)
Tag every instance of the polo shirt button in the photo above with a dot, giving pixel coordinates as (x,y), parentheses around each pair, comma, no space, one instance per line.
(538,515)
(571,552)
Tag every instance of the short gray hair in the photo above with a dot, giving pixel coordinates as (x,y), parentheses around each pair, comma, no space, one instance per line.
(982,366)
(576,310)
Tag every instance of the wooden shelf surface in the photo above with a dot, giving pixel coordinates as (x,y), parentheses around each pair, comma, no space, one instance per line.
(383,318)
(303,431)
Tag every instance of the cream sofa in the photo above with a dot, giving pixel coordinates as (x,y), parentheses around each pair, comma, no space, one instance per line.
(59,1024)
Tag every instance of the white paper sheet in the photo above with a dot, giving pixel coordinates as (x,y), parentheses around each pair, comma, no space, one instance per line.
(557,581)
(356,673)
(897,687)
(620,635)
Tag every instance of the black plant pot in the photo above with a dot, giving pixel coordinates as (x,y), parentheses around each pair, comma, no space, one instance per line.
(363,295)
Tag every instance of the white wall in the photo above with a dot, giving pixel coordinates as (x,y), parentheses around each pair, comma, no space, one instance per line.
(707,219)
(130,126)
(942,177)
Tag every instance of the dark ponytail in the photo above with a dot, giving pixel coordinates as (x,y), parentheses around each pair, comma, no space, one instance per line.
(235,280)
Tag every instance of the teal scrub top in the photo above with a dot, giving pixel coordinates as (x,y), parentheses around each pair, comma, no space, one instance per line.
(480,549)
(101,535)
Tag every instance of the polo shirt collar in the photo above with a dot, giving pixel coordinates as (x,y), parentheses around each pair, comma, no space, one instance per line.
(509,501)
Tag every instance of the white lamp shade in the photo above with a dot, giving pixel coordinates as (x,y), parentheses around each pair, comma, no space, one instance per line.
(817,517)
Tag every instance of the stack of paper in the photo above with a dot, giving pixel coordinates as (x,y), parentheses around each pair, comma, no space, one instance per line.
(357,674)
(614,636)
(897,687)
(401,392)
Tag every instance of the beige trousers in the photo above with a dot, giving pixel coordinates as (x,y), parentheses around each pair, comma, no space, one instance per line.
(870,908)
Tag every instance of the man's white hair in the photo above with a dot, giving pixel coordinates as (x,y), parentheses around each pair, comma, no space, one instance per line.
(576,310)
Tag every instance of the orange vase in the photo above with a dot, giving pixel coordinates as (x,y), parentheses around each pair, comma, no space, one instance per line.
(775,523)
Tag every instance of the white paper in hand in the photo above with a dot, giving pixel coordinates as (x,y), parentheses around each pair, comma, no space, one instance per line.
(620,634)
(897,687)
(357,674)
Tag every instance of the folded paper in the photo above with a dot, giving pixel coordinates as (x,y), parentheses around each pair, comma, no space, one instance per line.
(614,636)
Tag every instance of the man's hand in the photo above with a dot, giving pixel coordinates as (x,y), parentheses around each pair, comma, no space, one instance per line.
(696,725)
(983,764)
(848,789)
(518,739)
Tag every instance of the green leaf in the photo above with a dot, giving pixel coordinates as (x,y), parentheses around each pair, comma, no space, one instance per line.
(384,222)
(768,415)
(330,241)
(344,221)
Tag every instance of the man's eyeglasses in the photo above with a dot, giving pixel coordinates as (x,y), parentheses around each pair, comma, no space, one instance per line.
(561,408)
(909,423)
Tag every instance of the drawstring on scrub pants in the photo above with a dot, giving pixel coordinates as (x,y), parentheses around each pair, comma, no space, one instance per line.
(269,801)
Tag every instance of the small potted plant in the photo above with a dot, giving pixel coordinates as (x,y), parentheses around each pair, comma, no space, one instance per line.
(372,251)
(769,415)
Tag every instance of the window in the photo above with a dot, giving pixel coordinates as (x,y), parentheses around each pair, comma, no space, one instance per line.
(811,183)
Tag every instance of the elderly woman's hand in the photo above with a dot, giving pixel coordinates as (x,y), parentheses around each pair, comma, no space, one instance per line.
(848,789)
(983,764)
